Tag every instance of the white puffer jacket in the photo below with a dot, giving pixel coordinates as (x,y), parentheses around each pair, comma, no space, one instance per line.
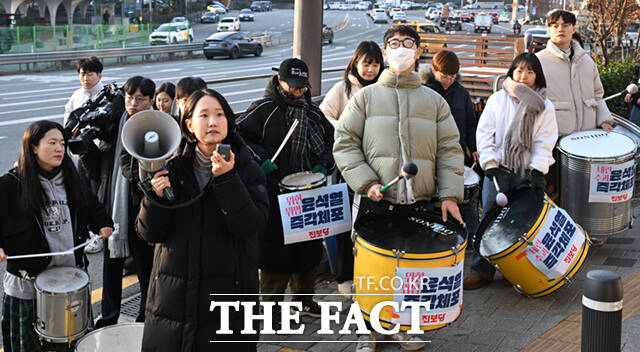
(496,120)
(336,99)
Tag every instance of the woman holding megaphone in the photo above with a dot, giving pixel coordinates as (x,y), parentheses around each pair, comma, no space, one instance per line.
(209,246)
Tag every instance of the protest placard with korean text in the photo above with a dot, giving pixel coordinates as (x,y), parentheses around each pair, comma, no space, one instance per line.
(611,183)
(315,214)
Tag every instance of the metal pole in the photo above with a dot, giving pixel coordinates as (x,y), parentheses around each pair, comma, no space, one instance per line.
(307,39)
(150,12)
(601,312)
(514,12)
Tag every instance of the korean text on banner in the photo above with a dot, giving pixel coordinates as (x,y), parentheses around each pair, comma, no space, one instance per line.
(315,214)
(557,244)
(611,183)
(441,287)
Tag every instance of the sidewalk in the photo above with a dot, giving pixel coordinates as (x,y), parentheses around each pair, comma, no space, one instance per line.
(496,318)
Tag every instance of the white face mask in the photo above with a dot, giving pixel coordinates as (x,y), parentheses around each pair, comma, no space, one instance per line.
(401,58)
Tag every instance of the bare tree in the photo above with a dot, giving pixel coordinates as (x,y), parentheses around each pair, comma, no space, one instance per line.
(605,21)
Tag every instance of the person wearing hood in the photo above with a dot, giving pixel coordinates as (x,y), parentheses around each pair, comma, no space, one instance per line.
(516,134)
(264,126)
(392,122)
(364,69)
(443,77)
(46,207)
(206,238)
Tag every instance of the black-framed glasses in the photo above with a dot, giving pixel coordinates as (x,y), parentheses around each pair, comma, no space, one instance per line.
(407,43)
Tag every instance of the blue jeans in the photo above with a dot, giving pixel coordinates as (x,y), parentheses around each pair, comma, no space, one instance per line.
(469,212)
(479,266)
(635,115)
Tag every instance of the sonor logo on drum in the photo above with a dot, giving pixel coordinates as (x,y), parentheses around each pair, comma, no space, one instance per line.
(73,306)
(439,228)
(589,136)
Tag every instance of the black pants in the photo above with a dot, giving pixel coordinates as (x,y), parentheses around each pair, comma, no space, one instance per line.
(142,254)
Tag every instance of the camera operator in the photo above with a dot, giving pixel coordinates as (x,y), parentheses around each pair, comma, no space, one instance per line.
(139,92)
(90,74)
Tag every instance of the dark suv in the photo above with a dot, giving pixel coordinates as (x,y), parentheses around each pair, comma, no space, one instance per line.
(259,6)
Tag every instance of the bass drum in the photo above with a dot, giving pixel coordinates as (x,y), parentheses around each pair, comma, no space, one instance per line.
(533,243)
(631,130)
(126,337)
(409,258)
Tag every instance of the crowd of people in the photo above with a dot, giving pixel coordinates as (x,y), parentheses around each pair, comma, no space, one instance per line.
(224,223)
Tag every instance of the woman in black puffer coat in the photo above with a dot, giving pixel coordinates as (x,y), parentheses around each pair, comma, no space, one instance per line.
(209,246)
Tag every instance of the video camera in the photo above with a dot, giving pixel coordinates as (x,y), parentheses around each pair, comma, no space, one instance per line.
(96,119)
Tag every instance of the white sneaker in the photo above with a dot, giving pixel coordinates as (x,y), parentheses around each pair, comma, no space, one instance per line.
(93,247)
(408,342)
(345,289)
(367,343)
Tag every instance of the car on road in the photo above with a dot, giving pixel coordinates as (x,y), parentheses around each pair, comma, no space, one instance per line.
(258,6)
(504,18)
(380,17)
(231,44)
(177,20)
(535,39)
(217,9)
(171,33)
(399,17)
(245,15)
(465,16)
(453,23)
(364,5)
(393,10)
(209,17)
(430,13)
(229,24)
(482,23)
(327,34)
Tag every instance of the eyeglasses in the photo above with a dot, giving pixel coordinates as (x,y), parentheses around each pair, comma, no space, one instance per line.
(444,77)
(300,90)
(407,43)
(136,99)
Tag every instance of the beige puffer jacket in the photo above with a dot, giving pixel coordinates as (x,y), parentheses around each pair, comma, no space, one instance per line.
(574,88)
(392,122)
(336,99)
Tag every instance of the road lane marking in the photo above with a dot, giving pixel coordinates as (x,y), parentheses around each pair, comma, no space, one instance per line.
(33,102)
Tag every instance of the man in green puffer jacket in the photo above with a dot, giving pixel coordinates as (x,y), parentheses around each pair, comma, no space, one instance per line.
(390,123)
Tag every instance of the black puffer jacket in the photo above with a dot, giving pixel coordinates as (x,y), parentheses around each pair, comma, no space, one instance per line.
(21,231)
(264,127)
(210,246)
(461,107)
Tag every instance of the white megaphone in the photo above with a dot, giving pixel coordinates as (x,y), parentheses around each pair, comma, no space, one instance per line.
(151,137)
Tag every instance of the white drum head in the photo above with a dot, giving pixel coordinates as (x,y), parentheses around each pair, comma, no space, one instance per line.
(62,279)
(597,144)
(470,177)
(302,179)
(115,338)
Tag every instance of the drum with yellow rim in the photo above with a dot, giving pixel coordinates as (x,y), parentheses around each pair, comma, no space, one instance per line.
(533,243)
(409,258)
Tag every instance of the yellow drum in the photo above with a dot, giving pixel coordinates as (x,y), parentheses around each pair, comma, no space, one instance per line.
(409,258)
(533,243)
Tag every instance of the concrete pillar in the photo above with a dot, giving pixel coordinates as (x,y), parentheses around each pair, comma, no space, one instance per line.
(83,8)
(52,5)
(307,39)
(42,8)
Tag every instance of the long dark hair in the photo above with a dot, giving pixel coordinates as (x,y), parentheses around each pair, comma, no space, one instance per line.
(33,197)
(190,107)
(531,61)
(371,52)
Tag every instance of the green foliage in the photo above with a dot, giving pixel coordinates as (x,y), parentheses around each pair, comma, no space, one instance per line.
(615,77)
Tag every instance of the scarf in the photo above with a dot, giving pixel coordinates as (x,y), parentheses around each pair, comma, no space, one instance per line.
(306,140)
(519,139)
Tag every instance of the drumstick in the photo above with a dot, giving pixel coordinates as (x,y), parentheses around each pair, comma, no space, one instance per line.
(501,198)
(52,254)
(286,138)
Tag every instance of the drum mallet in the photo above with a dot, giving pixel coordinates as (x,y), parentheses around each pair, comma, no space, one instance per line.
(501,198)
(286,138)
(631,89)
(601,312)
(409,170)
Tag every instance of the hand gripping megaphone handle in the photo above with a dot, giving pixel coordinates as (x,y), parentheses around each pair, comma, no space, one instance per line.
(168,193)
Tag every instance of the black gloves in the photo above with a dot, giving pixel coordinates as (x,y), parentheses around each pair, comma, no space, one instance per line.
(536,179)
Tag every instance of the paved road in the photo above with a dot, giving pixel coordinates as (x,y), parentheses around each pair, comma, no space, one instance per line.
(25,98)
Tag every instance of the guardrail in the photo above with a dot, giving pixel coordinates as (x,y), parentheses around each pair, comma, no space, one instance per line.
(57,56)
